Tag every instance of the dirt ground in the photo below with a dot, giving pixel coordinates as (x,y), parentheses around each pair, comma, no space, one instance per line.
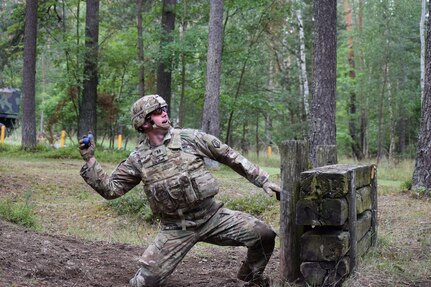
(62,256)
(79,242)
(28,258)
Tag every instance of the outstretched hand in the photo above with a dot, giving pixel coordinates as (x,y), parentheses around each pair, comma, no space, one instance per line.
(270,187)
(87,147)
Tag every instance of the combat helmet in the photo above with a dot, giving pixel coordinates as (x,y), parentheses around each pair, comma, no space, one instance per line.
(143,107)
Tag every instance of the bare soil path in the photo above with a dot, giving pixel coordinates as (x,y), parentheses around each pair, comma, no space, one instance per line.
(78,244)
(28,258)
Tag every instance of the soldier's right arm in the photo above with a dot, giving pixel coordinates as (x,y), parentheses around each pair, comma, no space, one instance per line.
(124,177)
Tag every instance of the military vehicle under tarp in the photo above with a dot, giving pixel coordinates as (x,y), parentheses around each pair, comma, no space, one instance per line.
(9,108)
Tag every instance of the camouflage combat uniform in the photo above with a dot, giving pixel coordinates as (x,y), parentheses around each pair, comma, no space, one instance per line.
(181,192)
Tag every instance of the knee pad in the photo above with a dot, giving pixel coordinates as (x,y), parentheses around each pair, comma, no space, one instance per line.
(267,235)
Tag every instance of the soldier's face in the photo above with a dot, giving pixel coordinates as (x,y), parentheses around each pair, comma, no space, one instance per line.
(160,116)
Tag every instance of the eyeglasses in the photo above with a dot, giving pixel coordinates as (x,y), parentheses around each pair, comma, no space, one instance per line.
(157,112)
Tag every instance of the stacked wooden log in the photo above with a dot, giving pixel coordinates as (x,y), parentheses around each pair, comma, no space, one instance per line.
(337,206)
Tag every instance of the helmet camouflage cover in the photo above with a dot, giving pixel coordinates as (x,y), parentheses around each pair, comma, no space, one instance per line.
(143,107)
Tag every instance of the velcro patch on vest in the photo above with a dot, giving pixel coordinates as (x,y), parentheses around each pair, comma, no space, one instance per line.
(159,155)
(216,143)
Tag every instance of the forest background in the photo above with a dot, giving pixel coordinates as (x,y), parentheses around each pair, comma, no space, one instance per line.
(266,70)
(266,92)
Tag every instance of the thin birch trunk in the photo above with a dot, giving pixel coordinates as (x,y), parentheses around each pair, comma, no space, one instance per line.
(392,120)
(302,65)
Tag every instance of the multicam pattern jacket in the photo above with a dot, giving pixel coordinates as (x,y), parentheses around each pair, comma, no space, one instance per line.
(176,181)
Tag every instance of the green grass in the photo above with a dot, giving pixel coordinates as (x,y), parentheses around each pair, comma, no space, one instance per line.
(256,204)
(18,213)
(133,204)
(401,171)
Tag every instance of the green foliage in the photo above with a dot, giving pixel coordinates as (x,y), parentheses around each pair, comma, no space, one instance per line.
(133,203)
(255,204)
(260,72)
(18,213)
(406,185)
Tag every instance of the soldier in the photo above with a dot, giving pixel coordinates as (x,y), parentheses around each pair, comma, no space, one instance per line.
(181,190)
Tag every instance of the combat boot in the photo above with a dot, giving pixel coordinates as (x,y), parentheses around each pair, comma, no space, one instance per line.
(138,280)
(261,282)
(253,279)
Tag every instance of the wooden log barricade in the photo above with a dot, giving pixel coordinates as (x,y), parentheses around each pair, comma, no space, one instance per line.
(294,160)
(337,207)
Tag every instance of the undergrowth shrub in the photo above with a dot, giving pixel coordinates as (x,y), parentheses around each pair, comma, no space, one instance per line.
(18,213)
(134,203)
(406,185)
(255,204)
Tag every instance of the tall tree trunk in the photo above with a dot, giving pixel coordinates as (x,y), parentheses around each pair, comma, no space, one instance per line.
(164,70)
(322,126)
(268,120)
(421,174)
(422,36)
(257,135)
(380,114)
(356,148)
(401,126)
(43,92)
(363,134)
(140,48)
(391,105)
(87,109)
(244,141)
(181,109)
(210,116)
(73,86)
(29,75)
(303,66)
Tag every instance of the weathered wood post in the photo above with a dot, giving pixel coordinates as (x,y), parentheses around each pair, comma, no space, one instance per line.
(294,160)
(373,205)
(351,176)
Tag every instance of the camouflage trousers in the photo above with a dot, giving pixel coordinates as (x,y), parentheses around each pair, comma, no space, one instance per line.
(226,228)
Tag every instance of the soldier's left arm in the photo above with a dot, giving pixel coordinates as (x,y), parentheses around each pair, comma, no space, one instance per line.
(211,147)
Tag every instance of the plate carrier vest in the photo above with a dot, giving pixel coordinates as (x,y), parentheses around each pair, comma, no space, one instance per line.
(175,178)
